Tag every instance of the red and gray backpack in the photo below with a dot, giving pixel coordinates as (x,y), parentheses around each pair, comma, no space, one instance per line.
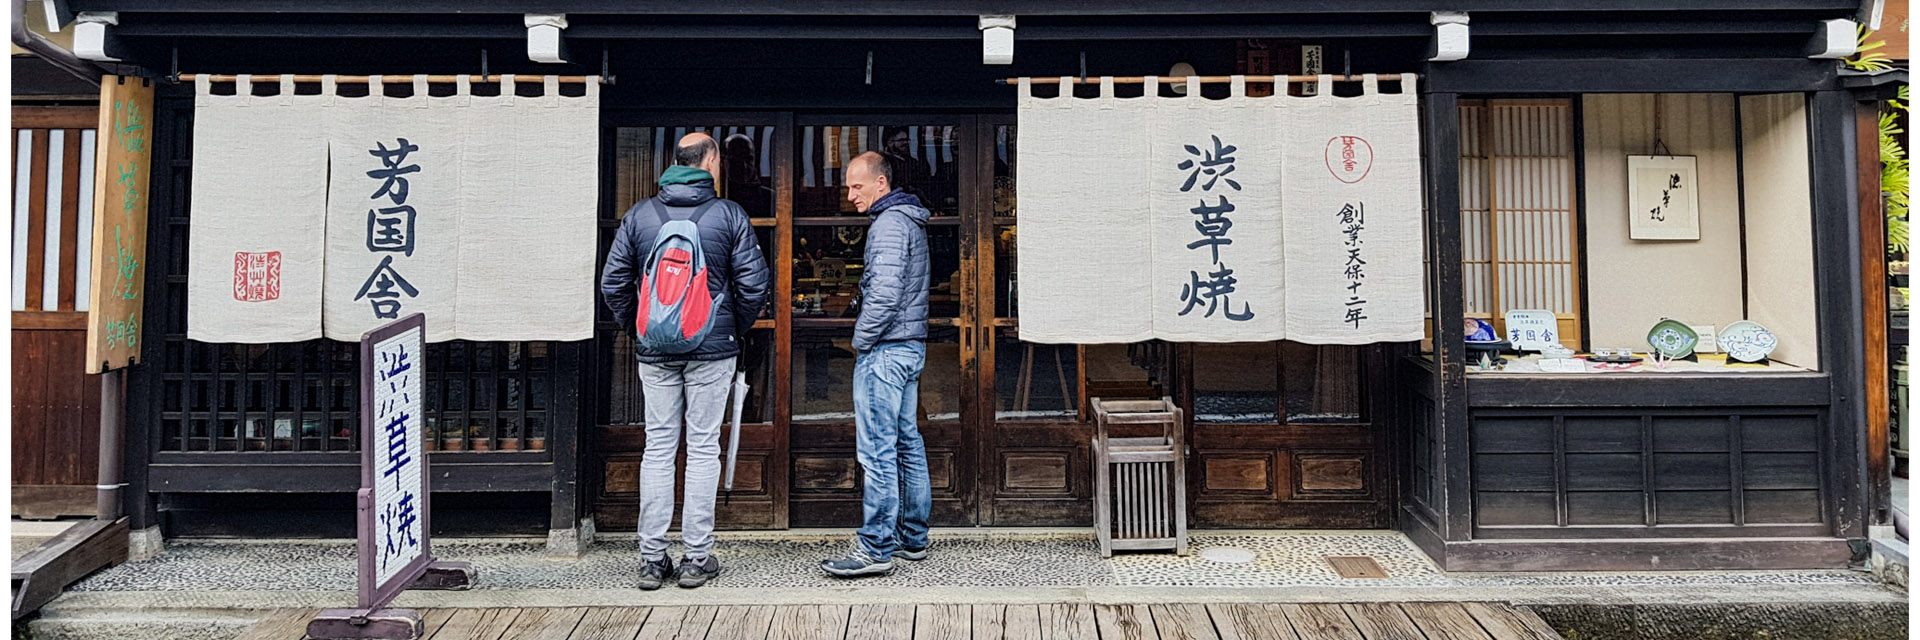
(676,306)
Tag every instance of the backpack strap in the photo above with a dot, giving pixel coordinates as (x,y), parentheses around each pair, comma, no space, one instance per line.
(699,212)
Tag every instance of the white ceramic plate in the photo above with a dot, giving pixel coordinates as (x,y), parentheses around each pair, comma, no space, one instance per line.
(1747,341)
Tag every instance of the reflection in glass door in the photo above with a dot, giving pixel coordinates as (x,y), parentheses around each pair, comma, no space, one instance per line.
(828,249)
(640,155)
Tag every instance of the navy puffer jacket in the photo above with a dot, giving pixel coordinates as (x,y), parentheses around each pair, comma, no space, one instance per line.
(893,291)
(735,267)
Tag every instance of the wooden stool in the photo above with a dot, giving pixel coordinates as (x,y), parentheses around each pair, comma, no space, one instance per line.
(1139,484)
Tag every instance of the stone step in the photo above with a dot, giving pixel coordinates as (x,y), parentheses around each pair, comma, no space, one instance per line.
(86,623)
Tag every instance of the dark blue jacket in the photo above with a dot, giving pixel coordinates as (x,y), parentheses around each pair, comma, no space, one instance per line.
(893,291)
(735,267)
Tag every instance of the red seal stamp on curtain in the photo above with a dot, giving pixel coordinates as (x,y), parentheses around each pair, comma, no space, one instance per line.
(1349,158)
(256,276)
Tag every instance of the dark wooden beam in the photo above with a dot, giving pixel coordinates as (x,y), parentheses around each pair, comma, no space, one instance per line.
(563,438)
(1675,390)
(1764,75)
(1646,555)
(656,30)
(1835,8)
(1837,290)
(237,477)
(1440,134)
(1652,25)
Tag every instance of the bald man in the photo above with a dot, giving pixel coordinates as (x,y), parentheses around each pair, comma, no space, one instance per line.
(687,390)
(889,341)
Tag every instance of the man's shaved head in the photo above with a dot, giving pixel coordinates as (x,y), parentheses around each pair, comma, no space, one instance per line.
(874,163)
(694,149)
(869,176)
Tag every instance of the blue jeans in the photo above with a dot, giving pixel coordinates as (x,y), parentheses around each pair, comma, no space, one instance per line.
(898,498)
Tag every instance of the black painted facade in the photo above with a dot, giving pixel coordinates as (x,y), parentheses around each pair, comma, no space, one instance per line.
(1619,473)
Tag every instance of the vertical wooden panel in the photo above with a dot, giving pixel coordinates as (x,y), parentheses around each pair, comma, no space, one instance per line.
(69,218)
(1873,272)
(122,174)
(783,185)
(36,220)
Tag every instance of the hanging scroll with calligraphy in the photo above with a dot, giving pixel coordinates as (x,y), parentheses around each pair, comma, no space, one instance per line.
(1226,219)
(479,210)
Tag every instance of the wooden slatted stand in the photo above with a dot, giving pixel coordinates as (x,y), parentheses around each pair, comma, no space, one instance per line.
(1140,483)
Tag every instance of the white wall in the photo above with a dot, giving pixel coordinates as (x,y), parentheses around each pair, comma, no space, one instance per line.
(1780,293)
(1631,284)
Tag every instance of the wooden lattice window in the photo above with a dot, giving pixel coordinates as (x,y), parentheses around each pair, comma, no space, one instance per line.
(303,396)
(1519,210)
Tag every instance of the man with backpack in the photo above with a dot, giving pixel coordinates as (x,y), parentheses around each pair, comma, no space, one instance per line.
(686,272)
(889,341)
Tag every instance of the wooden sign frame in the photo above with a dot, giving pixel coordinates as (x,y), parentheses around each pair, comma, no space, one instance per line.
(371,619)
(123,168)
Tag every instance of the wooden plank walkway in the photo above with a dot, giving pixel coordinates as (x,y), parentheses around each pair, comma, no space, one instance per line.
(1363,621)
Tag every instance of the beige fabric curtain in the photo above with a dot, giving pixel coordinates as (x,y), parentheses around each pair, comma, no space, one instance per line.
(1353,218)
(1220,220)
(257,251)
(480,211)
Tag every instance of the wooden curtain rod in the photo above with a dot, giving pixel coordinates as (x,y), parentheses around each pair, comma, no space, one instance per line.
(1177,80)
(398,79)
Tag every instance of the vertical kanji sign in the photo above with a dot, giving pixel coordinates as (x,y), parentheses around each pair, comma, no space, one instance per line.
(393,510)
(123,162)
(394,551)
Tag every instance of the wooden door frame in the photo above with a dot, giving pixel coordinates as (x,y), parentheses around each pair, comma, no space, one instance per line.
(962,477)
(68,491)
(612,120)
(1073,507)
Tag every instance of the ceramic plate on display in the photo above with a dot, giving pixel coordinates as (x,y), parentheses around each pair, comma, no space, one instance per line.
(1480,331)
(1672,338)
(1747,341)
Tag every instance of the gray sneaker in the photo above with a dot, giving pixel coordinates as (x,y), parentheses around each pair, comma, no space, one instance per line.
(857,563)
(694,573)
(653,573)
(915,555)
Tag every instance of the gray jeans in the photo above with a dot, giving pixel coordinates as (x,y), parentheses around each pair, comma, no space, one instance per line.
(698,391)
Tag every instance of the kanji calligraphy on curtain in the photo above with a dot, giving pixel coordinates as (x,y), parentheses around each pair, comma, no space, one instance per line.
(319,214)
(1220,220)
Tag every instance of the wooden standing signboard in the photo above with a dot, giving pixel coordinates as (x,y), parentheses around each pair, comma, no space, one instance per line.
(123,162)
(395,552)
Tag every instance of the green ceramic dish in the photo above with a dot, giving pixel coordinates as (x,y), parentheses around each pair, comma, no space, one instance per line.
(1672,338)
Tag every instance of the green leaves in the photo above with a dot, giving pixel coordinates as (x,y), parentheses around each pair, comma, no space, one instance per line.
(1866,60)
(1894,172)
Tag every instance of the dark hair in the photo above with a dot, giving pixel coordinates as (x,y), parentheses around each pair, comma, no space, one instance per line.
(879,164)
(691,155)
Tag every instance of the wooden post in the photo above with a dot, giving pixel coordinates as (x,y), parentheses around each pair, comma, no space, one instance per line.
(1440,131)
(1873,279)
(1836,256)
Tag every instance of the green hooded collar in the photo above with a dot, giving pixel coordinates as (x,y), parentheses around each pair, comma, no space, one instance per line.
(678,174)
